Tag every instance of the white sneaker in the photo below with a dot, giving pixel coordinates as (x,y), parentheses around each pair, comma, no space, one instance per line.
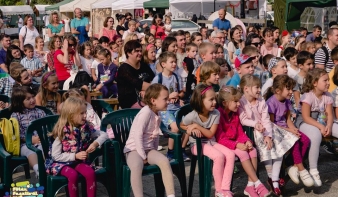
(316,179)
(160,148)
(306,179)
(294,174)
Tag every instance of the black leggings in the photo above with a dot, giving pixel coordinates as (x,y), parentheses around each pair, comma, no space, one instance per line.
(61,84)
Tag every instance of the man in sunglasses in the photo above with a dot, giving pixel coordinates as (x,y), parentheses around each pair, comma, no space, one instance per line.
(80,26)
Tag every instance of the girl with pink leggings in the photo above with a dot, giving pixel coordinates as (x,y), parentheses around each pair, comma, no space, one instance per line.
(231,135)
(203,122)
(72,137)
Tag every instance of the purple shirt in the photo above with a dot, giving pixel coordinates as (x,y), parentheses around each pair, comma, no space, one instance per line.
(109,71)
(2,58)
(279,109)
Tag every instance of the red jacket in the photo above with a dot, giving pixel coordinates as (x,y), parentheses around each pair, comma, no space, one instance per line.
(230,132)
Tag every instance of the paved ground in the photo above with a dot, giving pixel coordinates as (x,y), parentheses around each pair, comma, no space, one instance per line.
(328,168)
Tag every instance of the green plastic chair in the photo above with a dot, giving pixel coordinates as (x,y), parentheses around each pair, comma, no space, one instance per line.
(6,113)
(5,160)
(99,106)
(5,98)
(204,163)
(54,183)
(3,75)
(121,122)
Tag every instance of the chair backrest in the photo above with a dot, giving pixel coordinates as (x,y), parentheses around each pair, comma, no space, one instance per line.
(120,122)
(5,98)
(99,105)
(42,126)
(182,112)
(6,113)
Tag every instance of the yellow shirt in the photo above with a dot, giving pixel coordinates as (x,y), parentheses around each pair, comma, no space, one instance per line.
(332,85)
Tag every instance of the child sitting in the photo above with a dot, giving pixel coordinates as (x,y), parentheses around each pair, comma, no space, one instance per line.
(48,95)
(231,135)
(32,64)
(224,70)
(73,139)
(204,121)
(279,106)
(305,63)
(243,65)
(207,52)
(138,151)
(334,57)
(190,66)
(277,66)
(175,86)
(86,58)
(290,55)
(22,77)
(209,74)
(23,109)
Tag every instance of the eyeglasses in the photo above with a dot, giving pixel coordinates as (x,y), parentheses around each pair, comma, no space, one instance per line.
(71,45)
(256,44)
(257,56)
(128,18)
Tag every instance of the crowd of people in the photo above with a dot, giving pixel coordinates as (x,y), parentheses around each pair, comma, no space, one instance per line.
(283,84)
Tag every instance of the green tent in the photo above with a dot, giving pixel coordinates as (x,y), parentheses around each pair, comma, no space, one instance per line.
(156,4)
(56,6)
(294,9)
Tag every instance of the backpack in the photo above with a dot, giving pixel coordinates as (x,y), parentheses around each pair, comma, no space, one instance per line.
(326,54)
(11,134)
(160,79)
(81,78)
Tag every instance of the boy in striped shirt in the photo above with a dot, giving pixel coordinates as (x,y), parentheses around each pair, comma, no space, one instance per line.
(32,64)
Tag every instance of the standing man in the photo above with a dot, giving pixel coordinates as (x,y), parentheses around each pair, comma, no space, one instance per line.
(323,55)
(6,42)
(221,23)
(80,26)
(315,35)
(20,22)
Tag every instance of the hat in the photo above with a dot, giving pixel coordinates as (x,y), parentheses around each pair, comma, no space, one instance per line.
(242,59)
(285,33)
(273,62)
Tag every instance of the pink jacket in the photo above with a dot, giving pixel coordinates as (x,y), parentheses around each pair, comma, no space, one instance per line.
(230,132)
(144,132)
(273,51)
(250,115)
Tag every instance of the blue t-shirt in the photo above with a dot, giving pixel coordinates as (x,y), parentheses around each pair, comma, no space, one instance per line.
(2,58)
(234,81)
(55,29)
(75,23)
(221,24)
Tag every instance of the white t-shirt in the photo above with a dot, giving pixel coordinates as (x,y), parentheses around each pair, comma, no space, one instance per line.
(86,64)
(20,24)
(267,85)
(95,63)
(292,72)
(30,35)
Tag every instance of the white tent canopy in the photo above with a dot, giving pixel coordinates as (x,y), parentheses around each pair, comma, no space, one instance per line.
(179,7)
(41,8)
(127,4)
(84,5)
(16,10)
(103,4)
(69,7)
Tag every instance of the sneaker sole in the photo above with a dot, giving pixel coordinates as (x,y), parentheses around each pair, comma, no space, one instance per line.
(293,180)
(326,150)
(246,193)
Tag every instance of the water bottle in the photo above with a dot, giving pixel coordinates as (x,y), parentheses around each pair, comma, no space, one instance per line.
(90,87)
(322,116)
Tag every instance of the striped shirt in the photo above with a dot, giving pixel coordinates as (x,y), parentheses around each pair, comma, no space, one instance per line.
(320,58)
(6,86)
(32,64)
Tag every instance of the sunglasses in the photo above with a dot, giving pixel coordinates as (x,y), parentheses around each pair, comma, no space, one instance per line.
(128,19)
(256,44)
(71,45)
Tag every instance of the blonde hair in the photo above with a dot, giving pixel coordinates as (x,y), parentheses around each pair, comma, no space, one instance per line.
(312,77)
(153,92)
(167,18)
(202,49)
(37,40)
(16,69)
(16,42)
(207,68)
(51,16)
(74,92)
(227,94)
(249,80)
(70,107)
(132,22)
(45,80)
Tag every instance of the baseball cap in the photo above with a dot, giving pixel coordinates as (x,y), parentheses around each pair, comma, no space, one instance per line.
(242,59)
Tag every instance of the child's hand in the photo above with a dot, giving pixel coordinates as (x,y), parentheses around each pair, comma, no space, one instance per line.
(259,127)
(249,145)
(35,139)
(241,146)
(181,103)
(268,142)
(98,87)
(81,155)
(145,161)
(92,147)
(142,93)
(2,105)
(295,131)
(174,95)
(322,130)
(196,133)
(328,130)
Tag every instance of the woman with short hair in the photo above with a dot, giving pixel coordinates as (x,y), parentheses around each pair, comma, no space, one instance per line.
(107,29)
(55,27)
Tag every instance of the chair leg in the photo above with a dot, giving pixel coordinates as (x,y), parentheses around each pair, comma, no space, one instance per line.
(192,174)
(207,175)
(179,171)
(126,183)
(27,173)
(159,185)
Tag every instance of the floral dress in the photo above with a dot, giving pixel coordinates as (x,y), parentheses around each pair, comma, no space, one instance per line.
(75,140)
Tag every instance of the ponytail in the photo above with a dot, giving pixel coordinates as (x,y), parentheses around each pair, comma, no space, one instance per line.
(269,93)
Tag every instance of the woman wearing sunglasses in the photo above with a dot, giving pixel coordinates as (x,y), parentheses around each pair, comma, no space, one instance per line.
(65,59)
(107,29)
(253,40)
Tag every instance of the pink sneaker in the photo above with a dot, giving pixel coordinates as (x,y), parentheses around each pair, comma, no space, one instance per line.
(250,191)
(224,193)
(262,191)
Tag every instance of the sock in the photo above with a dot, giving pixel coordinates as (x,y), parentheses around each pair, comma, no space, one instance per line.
(314,171)
(171,195)
(36,169)
(250,183)
(275,184)
(303,172)
(258,182)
